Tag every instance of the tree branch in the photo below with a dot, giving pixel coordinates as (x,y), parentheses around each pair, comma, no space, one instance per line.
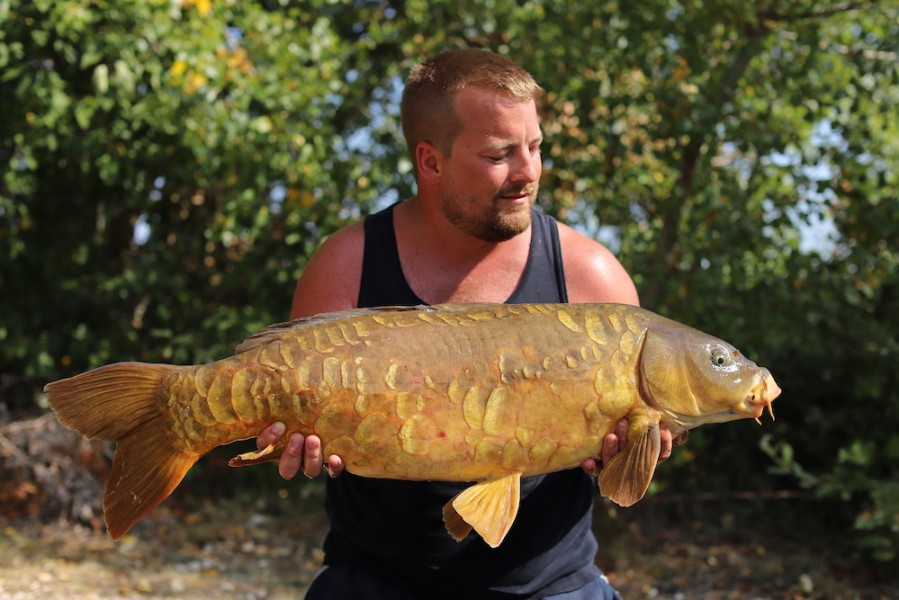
(773,15)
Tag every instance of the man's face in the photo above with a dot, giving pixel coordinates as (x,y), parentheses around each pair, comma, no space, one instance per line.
(490,178)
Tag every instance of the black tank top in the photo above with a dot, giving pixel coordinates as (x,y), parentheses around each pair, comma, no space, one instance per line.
(396,527)
(384,284)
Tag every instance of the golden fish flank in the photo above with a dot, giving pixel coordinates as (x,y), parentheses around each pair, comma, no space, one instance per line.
(486,393)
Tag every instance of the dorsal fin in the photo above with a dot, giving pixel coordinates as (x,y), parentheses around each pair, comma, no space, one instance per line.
(279,330)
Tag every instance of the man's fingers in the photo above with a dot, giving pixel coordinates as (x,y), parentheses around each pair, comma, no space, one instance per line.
(621,432)
(591,467)
(665,438)
(270,435)
(610,446)
(292,457)
(616,441)
(313,460)
(335,466)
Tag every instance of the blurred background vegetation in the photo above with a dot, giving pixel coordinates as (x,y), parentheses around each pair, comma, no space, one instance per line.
(168,166)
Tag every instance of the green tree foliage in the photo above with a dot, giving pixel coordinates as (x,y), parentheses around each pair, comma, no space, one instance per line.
(221,133)
(168,167)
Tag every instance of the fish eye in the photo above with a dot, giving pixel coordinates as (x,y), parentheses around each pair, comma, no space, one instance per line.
(719,357)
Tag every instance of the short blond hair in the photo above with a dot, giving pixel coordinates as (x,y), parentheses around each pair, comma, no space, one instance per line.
(427,109)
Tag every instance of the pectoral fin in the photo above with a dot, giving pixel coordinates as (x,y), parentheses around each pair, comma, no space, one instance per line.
(489,507)
(625,479)
(270,452)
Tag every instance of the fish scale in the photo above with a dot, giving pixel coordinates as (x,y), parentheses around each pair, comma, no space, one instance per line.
(483,393)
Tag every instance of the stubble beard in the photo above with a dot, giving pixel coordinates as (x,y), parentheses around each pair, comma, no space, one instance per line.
(493,223)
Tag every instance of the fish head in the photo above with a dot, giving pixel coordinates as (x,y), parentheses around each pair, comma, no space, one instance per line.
(693,378)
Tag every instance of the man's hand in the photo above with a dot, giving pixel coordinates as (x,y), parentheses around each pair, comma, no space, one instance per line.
(300,453)
(617,440)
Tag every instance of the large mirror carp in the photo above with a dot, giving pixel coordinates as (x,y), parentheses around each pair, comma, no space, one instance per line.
(481,393)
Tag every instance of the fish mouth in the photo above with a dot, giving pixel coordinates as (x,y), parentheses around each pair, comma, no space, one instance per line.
(760,397)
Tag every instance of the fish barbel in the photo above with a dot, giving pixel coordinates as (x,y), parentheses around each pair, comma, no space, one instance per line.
(481,393)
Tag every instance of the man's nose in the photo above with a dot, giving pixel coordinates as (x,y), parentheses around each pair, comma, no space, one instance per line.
(526,168)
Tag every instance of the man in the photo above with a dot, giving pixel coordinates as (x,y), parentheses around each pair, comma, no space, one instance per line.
(469,234)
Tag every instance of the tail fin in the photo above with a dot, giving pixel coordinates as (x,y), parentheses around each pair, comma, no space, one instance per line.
(123,403)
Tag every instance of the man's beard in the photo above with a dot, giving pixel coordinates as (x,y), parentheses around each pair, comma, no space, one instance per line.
(493,223)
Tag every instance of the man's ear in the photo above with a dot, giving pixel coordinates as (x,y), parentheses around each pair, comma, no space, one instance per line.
(428,160)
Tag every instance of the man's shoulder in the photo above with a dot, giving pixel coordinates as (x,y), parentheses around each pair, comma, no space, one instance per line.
(592,272)
(349,239)
(580,245)
(330,280)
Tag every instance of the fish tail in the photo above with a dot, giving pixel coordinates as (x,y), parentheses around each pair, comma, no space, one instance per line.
(123,403)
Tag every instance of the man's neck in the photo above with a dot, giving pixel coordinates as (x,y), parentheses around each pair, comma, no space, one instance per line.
(444,264)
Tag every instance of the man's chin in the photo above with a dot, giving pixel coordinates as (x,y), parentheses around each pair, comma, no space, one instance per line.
(510,223)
